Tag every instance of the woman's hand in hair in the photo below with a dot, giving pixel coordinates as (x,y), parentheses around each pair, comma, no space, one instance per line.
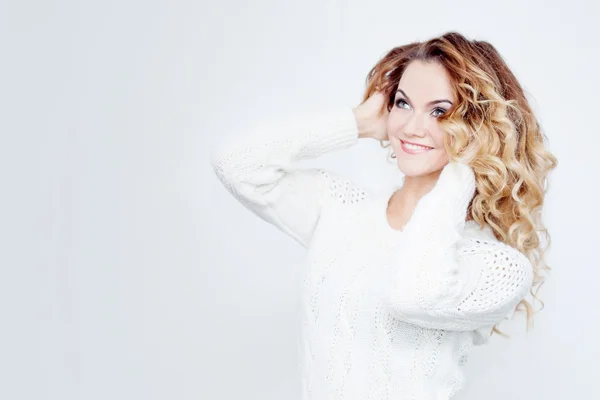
(371,117)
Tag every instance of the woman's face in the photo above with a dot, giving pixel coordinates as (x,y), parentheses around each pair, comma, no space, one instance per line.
(423,93)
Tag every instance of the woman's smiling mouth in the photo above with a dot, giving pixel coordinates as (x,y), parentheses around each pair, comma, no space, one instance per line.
(413,148)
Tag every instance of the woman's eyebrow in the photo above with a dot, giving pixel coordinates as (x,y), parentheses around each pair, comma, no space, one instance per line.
(430,103)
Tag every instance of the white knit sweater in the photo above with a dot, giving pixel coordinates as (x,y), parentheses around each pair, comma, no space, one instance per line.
(387,314)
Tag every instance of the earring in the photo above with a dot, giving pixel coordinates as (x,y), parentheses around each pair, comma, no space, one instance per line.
(393,155)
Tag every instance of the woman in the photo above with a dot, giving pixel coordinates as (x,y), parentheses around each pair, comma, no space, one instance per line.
(400,286)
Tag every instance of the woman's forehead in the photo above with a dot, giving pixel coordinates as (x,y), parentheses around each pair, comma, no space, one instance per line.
(426,81)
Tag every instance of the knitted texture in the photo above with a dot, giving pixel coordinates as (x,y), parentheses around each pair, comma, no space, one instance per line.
(386,314)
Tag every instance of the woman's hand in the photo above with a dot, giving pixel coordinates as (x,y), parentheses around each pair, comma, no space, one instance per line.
(371,117)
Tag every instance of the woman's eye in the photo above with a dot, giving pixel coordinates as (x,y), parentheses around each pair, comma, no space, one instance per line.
(401,103)
(441,111)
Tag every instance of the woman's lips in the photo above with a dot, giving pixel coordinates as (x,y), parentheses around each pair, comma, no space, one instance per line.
(414,149)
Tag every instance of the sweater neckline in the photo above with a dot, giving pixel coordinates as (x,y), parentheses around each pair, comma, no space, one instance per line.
(383,205)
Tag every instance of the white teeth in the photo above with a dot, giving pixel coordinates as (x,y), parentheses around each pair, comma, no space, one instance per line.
(415,147)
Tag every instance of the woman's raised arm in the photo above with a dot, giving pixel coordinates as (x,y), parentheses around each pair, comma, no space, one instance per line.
(448,280)
(259,168)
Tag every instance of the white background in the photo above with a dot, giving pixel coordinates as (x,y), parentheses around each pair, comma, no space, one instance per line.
(128,272)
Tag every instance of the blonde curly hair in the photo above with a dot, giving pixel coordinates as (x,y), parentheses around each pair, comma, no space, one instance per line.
(493,129)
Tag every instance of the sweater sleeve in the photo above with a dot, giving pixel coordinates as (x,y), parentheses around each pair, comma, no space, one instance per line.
(259,168)
(452,281)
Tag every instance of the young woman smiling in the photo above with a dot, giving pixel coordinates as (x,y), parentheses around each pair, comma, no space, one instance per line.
(398,287)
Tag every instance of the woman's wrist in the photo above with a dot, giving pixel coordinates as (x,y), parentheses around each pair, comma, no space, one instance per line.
(361,124)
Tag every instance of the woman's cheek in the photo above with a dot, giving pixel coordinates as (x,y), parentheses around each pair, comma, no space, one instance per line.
(395,143)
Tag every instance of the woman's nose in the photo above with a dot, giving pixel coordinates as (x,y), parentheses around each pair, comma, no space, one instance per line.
(415,125)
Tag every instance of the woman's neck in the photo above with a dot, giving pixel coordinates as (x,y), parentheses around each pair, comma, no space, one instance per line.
(413,189)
